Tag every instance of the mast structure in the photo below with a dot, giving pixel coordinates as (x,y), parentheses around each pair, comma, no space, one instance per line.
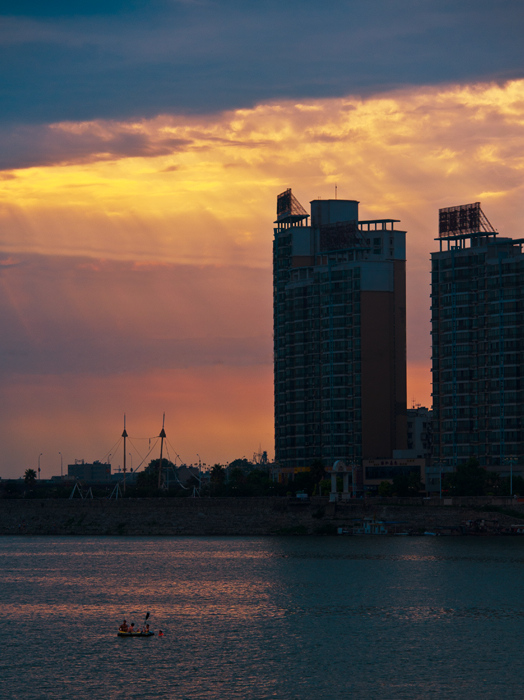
(161,436)
(124,435)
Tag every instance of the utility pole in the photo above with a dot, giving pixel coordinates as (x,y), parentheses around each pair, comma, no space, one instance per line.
(124,435)
(161,436)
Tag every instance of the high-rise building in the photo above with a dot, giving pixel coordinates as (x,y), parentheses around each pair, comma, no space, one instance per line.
(477,305)
(339,334)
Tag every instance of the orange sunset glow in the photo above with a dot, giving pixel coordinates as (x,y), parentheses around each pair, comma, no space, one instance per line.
(135,262)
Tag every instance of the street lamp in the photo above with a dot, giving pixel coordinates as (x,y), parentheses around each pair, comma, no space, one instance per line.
(129,453)
(61,466)
(199,475)
(40,455)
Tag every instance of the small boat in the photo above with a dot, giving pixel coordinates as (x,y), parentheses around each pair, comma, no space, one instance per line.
(131,630)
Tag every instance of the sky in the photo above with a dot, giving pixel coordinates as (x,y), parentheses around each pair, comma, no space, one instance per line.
(142,148)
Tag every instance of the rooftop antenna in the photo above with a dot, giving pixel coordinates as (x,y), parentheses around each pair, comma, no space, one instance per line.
(124,435)
(161,436)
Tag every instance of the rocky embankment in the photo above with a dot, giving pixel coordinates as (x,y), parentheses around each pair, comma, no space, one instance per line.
(244,516)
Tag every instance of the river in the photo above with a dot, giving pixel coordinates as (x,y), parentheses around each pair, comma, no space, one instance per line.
(289,617)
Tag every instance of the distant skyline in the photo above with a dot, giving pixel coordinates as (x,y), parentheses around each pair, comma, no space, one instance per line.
(141,153)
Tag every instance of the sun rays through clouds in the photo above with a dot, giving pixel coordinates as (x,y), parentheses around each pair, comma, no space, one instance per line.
(140,247)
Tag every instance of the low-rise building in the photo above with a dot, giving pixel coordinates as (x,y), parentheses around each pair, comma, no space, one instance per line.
(375,471)
(97,472)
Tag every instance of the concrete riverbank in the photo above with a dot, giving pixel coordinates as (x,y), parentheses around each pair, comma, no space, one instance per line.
(244,516)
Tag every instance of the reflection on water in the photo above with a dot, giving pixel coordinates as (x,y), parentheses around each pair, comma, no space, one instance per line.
(262,617)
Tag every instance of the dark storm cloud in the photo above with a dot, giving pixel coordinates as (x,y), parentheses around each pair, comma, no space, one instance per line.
(61,61)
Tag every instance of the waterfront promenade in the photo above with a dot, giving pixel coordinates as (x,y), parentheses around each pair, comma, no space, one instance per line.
(247,516)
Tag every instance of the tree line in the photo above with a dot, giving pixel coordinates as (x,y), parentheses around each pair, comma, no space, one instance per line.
(469,479)
(243,478)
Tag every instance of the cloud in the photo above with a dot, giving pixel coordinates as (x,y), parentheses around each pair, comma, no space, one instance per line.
(68,143)
(201,190)
(139,61)
(9,262)
(64,316)
(209,201)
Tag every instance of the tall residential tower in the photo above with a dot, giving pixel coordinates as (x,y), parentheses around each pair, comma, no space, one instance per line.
(477,314)
(339,306)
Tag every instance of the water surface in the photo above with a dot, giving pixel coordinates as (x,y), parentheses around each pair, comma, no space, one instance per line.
(308,618)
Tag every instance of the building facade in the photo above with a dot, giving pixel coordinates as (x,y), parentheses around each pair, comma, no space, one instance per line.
(419,431)
(477,314)
(339,311)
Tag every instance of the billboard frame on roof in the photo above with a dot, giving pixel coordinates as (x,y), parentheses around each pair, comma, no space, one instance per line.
(459,221)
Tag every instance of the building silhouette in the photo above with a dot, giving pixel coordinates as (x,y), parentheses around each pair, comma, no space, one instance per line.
(339,334)
(89,472)
(477,292)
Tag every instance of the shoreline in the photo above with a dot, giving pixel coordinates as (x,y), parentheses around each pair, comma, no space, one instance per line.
(254,516)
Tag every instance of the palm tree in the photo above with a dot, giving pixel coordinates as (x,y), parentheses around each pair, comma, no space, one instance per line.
(218,474)
(30,477)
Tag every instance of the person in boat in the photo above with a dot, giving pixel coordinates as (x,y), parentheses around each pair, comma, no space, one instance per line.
(124,627)
(132,628)
(145,630)
(160,633)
